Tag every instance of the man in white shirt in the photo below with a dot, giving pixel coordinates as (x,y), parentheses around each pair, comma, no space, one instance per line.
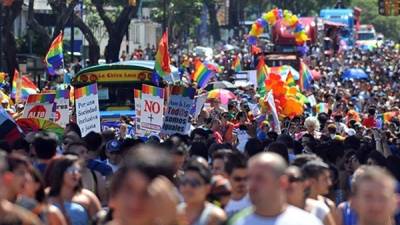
(267,189)
(374,197)
(236,168)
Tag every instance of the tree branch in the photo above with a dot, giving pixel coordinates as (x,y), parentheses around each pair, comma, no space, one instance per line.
(102,13)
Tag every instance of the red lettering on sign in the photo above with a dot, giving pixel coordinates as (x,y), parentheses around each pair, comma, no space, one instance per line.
(38,111)
(152,107)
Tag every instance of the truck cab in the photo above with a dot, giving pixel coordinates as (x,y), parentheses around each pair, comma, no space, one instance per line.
(345,17)
(367,37)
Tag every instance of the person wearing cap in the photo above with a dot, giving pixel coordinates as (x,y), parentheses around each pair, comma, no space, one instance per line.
(216,109)
(113,153)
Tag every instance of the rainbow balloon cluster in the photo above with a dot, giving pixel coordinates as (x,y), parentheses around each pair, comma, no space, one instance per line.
(292,22)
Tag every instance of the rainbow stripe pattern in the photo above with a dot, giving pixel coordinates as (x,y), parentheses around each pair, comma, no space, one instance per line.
(262,72)
(22,87)
(62,94)
(54,57)
(151,90)
(137,93)
(183,91)
(86,91)
(202,74)
(305,77)
(236,66)
(162,62)
(41,98)
(322,108)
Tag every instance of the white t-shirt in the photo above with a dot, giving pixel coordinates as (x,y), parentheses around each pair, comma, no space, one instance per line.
(291,216)
(317,208)
(234,206)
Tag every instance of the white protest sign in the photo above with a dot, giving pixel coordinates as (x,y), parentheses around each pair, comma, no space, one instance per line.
(176,118)
(39,106)
(252,75)
(152,109)
(62,107)
(200,101)
(137,98)
(87,109)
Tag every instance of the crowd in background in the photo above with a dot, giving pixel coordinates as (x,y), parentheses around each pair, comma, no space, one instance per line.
(340,166)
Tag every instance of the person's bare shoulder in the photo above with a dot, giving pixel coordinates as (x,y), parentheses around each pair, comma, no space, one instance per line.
(217,216)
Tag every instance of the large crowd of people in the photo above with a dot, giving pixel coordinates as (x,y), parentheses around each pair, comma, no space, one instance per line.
(339,166)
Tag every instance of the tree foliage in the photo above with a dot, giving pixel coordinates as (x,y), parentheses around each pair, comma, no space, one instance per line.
(387,25)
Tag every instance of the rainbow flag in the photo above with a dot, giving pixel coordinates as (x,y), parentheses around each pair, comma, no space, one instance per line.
(290,80)
(41,98)
(54,57)
(236,66)
(85,91)
(322,108)
(262,72)
(137,93)
(201,74)
(162,62)
(151,90)
(22,87)
(305,77)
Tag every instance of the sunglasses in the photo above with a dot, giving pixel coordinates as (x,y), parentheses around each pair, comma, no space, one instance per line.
(293,179)
(239,179)
(194,183)
(73,169)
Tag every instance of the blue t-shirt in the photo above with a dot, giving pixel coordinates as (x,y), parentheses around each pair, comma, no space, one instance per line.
(101,167)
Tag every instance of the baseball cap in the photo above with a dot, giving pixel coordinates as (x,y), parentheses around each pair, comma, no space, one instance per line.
(113,146)
(351,132)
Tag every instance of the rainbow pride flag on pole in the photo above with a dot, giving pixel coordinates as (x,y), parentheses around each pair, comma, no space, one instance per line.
(262,72)
(236,66)
(202,74)
(305,77)
(290,80)
(162,62)
(22,87)
(55,57)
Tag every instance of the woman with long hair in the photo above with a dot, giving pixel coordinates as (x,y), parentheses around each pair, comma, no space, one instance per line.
(66,193)
(33,198)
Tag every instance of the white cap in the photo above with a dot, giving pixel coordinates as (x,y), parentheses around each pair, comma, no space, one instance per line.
(351,132)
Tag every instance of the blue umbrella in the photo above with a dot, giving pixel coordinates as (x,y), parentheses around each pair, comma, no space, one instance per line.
(354,73)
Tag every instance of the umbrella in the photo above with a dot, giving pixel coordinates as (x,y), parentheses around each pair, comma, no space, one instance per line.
(284,71)
(223,95)
(220,85)
(355,74)
(36,124)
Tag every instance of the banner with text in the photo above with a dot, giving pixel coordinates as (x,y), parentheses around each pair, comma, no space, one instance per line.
(180,103)
(61,116)
(40,106)
(151,109)
(137,98)
(87,109)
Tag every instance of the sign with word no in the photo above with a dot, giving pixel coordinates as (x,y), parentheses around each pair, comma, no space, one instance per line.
(151,113)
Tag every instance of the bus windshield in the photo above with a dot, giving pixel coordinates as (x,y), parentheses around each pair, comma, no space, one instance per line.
(366,36)
(116,95)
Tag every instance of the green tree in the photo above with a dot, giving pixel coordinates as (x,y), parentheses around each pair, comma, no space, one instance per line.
(183,17)
(387,25)
(116,24)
